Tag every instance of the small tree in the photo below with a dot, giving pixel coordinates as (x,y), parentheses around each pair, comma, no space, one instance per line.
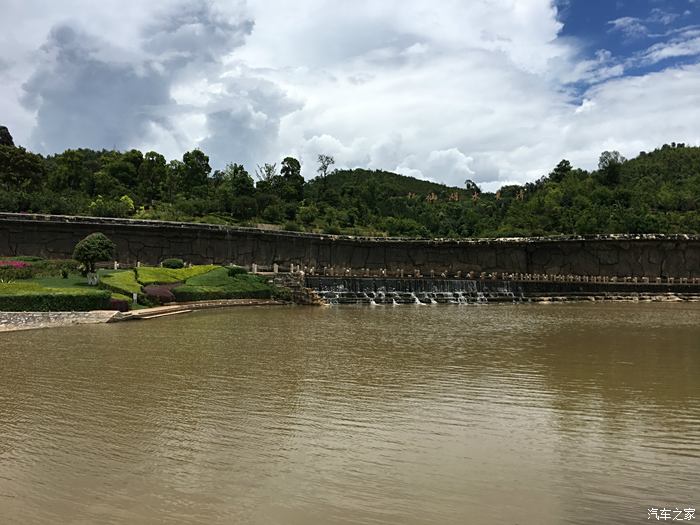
(324,164)
(94,248)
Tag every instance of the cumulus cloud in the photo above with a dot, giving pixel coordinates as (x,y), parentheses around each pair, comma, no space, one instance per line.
(480,90)
(84,95)
(170,88)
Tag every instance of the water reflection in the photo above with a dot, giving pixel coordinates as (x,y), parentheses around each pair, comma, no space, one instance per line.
(523,414)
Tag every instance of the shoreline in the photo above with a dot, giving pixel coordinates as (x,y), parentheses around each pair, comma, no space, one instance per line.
(19,321)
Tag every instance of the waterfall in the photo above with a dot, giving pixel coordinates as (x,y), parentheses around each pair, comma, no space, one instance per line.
(377,291)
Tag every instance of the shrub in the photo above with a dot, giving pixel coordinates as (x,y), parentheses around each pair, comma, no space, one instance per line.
(159,293)
(11,269)
(12,273)
(281,294)
(24,258)
(332,229)
(119,302)
(13,264)
(22,297)
(236,270)
(212,293)
(292,226)
(55,267)
(173,263)
(94,248)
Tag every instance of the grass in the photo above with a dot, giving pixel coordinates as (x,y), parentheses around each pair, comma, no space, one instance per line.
(200,283)
(217,284)
(154,275)
(120,281)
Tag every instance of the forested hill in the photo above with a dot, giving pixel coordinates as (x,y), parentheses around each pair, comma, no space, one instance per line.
(656,192)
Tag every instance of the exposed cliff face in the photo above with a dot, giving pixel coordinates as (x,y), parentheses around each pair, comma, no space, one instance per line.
(152,241)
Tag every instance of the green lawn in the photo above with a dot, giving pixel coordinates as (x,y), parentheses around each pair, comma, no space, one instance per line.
(199,283)
(120,281)
(217,284)
(154,275)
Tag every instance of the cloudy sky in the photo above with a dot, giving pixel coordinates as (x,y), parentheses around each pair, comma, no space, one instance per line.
(497,91)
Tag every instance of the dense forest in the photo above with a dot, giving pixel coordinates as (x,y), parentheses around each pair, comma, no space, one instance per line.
(656,192)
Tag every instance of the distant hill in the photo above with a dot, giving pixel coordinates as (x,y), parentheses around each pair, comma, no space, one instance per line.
(656,192)
(387,182)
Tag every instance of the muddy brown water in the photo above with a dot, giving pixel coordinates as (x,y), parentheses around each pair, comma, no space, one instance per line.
(568,413)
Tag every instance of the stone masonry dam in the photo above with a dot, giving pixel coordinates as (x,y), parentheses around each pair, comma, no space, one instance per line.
(652,257)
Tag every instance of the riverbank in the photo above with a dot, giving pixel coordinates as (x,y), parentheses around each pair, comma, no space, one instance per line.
(14,321)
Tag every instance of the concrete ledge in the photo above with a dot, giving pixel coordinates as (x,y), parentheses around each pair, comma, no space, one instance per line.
(12,321)
(169,309)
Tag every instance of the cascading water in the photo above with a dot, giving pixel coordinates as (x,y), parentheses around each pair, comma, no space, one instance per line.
(377,291)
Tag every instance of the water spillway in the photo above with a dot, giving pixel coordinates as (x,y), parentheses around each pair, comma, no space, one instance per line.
(391,291)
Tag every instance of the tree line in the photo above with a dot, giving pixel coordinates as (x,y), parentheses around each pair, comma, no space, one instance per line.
(656,192)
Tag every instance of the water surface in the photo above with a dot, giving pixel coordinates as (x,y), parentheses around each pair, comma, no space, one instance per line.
(575,413)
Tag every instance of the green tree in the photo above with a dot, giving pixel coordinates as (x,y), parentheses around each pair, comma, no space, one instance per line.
(5,137)
(151,176)
(560,171)
(20,169)
(610,167)
(195,171)
(238,180)
(292,180)
(324,164)
(94,248)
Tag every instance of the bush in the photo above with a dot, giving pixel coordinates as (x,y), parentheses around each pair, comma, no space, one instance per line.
(332,229)
(236,270)
(94,248)
(23,297)
(12,269)
(173,263)
(282,294)
(119,302)
(13,273)
(159,293)
(55,267)
(292,226)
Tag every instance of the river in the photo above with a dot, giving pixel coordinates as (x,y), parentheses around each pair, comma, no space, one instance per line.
(528,414)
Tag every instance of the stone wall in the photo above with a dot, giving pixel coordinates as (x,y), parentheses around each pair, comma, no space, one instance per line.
(151,241)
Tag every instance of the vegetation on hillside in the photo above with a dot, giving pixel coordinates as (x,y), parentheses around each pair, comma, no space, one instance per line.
(656,192)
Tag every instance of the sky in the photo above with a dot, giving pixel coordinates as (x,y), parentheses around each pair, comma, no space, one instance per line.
(495,91)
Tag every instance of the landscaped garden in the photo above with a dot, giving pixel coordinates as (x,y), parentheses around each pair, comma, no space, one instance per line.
(37,284)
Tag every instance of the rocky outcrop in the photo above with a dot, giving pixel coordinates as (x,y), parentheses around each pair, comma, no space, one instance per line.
(152,241)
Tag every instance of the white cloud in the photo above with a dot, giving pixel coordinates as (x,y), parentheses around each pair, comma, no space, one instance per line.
(477,90)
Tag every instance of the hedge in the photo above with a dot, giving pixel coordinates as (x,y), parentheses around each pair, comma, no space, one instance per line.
(13,269)
(30,297)
(209,293)
(173,263)
(218,285)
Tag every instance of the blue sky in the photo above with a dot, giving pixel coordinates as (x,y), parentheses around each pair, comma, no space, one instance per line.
(629,28)
(496,91)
